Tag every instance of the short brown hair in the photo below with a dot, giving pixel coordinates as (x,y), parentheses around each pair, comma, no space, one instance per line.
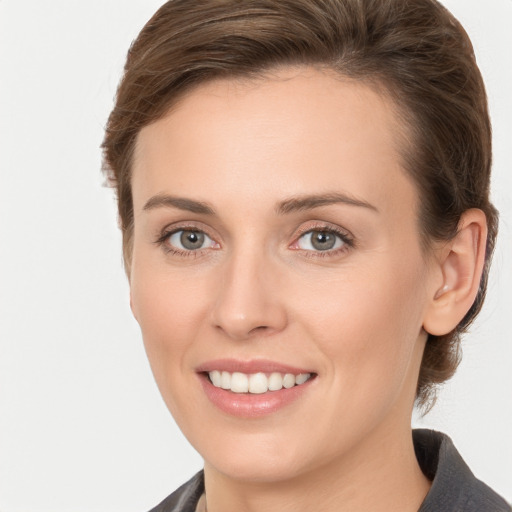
(413,49)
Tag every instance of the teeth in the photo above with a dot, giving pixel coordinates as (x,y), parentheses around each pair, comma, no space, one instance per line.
(239,383)
(289,381)
(216,378)
(256,383)
(275,382)
(225,380)
(300,379)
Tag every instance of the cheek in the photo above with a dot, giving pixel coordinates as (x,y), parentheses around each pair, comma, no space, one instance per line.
(170,310)
(368,323)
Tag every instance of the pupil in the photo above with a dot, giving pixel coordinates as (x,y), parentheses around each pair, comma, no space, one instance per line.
(323,240)
(192,239)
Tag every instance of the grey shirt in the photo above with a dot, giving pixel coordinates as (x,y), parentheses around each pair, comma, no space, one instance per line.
(454,487)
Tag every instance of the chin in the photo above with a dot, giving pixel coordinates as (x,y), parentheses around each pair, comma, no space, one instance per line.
(257,469)
(258,458)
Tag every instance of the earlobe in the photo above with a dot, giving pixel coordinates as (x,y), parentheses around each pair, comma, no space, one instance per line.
(461,263)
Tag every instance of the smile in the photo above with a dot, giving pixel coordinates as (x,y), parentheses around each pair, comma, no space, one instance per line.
(255,388)
(256,383)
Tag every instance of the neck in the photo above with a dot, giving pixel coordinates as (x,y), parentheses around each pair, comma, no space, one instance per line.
(381,475)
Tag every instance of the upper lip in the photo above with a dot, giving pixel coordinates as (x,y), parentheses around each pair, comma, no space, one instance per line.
(249,367)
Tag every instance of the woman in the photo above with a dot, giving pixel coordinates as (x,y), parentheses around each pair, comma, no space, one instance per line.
(303,190)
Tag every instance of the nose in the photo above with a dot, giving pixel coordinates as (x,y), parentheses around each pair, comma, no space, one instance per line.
(249,299)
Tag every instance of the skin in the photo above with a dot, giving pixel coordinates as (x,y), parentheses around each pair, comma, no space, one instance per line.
(355,315)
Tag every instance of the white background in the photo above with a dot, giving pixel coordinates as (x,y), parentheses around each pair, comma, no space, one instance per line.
(82,426)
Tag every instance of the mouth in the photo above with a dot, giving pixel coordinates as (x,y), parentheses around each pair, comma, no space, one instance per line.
(253,389)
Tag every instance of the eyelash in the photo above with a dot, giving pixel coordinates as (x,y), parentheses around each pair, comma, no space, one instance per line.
(163,239)
(346,239)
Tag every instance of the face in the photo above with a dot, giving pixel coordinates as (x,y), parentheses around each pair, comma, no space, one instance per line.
(277,255)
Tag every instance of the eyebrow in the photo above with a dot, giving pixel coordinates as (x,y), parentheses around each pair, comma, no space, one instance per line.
(181,203)
(309,202)
(294,204)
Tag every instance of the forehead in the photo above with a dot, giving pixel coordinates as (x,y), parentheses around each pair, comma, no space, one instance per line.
(291,130)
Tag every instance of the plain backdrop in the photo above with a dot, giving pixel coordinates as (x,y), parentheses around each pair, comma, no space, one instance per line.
(82,426)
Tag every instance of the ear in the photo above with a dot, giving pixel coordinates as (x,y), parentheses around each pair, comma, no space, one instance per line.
(461,263)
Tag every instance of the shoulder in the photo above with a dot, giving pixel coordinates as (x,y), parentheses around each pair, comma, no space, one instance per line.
(454,487)
(185,498)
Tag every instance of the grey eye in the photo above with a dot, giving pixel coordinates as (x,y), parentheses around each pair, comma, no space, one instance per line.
(318,240)
(189,240)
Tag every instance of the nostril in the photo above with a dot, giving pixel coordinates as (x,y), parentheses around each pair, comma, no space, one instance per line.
(260,329)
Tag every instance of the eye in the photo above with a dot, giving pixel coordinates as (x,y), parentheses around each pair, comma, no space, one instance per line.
(189,240)
(320,240)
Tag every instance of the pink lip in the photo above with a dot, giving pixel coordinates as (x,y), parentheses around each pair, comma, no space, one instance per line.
(253,366)
(247,405)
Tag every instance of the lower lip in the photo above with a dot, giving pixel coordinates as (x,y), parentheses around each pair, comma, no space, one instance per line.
(251,405)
